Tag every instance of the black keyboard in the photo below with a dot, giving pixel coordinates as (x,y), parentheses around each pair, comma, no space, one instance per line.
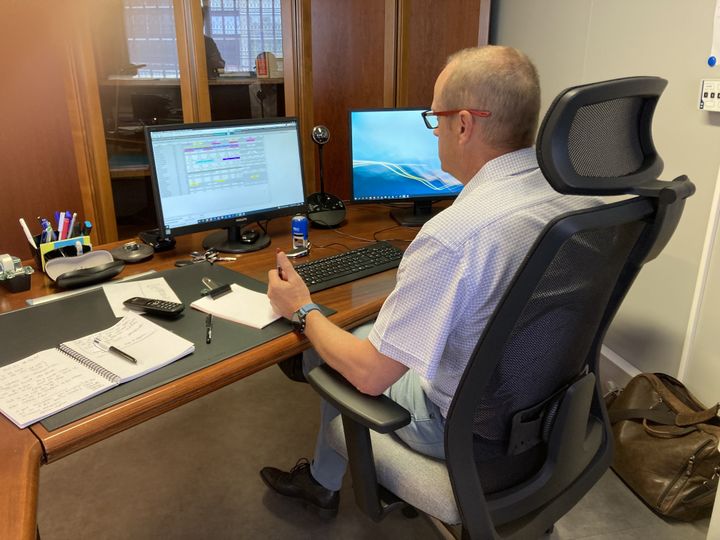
(349,266)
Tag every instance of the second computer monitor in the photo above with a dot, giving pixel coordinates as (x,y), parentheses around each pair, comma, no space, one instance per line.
(395,158)
(224,175)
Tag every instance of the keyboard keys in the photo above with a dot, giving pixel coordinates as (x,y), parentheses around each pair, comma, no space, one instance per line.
(348,266)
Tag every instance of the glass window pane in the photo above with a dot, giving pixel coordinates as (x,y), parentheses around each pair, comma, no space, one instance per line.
(150,34)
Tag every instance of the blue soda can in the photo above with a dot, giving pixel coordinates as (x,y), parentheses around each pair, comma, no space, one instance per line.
(299,231)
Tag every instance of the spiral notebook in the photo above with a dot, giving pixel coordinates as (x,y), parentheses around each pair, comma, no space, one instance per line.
(54,379)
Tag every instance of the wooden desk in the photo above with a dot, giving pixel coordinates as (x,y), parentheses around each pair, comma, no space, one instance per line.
(23,451)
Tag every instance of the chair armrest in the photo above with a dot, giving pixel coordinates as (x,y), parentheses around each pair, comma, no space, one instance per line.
(379,413)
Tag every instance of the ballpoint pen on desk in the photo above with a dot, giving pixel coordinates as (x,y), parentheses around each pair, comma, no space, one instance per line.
(110,348)
(208,328)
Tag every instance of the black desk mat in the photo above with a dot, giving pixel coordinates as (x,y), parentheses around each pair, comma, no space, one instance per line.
(32,329)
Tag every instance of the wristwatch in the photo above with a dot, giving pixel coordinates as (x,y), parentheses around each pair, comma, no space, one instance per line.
(298,318)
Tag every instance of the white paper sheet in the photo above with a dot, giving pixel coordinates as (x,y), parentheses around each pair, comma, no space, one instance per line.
(241,306)
(117,293)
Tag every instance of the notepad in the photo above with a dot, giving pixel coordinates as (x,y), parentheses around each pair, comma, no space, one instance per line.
(54,379)
(242,306)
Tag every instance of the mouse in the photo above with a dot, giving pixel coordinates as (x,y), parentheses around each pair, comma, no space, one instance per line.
(249,236)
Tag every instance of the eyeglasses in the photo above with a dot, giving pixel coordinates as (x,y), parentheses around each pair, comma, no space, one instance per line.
(431,117)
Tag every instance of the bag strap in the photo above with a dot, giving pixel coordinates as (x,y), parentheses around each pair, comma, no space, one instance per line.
(659,417)
(667,432)
(686,414)
(698,417)
(667,418)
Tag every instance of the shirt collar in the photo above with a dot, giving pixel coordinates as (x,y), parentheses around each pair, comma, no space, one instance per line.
(509,164)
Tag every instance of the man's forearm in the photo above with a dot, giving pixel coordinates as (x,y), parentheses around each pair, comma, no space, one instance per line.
(355,359)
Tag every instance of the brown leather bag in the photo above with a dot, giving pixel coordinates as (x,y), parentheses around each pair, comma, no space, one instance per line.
(666,446)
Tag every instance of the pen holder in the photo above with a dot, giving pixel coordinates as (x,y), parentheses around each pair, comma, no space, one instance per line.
(60,248)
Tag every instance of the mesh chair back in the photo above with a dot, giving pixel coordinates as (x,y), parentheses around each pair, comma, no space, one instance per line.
(600,130)
(550,338)
(595,140)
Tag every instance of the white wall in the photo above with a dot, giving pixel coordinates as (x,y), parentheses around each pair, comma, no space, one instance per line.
(578,41)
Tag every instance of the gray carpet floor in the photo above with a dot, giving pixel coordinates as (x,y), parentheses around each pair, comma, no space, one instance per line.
(193,474)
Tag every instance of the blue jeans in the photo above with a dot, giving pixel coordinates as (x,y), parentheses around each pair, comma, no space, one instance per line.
(425,433)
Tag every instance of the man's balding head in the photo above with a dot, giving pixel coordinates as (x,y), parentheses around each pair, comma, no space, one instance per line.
(498,79)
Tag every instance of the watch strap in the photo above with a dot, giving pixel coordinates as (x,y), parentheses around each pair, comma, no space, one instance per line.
(300,316)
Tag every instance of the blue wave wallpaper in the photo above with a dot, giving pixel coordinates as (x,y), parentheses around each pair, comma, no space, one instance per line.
(394,156)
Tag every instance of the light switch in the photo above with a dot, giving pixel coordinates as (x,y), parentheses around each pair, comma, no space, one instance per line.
(709,95)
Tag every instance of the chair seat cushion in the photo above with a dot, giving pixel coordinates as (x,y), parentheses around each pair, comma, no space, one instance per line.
(419,480)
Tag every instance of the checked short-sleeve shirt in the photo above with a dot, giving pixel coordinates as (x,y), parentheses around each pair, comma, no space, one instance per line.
(454,273)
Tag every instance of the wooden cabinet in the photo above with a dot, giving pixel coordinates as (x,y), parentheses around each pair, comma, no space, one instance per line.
(163,62)
(58,100)
(374,54)
(40,123)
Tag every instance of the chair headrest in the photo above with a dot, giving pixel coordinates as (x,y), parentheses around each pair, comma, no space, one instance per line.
(597,138)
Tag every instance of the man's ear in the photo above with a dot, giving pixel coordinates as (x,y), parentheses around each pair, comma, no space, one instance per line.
(467,125)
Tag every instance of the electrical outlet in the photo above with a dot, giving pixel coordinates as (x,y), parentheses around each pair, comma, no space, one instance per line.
(709,95)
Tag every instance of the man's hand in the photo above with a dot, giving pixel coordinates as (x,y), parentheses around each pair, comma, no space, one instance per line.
(286,289)
(357,360)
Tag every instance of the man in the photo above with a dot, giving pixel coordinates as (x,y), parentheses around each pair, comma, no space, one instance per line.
(213,59)
(484,113)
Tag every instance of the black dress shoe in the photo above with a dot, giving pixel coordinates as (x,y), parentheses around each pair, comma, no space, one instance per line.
(292,368)
(299,484)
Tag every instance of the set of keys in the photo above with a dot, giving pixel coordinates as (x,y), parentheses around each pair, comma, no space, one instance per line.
(212,256)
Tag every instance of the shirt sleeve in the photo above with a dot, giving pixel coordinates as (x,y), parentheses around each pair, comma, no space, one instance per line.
(416,319)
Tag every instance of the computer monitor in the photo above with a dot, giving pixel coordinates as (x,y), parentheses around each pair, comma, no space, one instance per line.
(394,158)
(225,175)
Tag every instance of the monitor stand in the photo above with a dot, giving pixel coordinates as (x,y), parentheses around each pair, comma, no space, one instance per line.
(417,216)
(235,240)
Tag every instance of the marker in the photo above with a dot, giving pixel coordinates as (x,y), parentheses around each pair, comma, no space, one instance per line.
(110,348)
(27,233)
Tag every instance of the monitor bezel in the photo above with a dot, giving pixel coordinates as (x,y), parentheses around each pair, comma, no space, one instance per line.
(240,221)
(415,198)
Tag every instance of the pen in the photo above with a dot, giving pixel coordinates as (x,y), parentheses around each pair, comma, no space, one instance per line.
(110,348)
(72,225)
(208,328)
(279,268)
(66,222)
(27,233)
(61,225)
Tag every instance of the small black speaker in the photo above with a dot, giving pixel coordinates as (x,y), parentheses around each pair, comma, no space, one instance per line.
(154,239)
(323,209)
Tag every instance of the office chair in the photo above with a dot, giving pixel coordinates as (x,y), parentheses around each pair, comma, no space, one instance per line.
(513,475)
